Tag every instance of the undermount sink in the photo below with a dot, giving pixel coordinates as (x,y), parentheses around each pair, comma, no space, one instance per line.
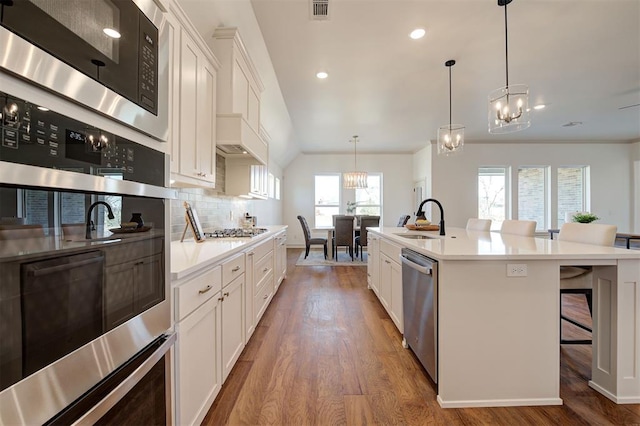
(415,236)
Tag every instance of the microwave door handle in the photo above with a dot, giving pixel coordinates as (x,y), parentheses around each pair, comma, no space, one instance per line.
(58,268)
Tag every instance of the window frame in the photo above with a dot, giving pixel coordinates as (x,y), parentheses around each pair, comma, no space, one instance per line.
(336,205)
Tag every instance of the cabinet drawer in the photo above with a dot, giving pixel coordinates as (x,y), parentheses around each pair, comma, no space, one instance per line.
(262,298)
(125,252)
(195,292)
(262,269)
(391,250)
(232,268)
(260,250)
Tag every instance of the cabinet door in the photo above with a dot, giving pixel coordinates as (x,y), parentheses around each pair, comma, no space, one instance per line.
(189,66)
(206,121)
(373,263)
(384,293)
(149,285)
(173,34)
(232,323)
(281,258)
(249,323)
(119,294)
(396,295)
(198,376)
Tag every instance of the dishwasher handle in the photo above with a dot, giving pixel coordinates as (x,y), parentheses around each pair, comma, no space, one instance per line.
(427,270)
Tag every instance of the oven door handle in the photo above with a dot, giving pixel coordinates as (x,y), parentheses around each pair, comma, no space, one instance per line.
(97,411)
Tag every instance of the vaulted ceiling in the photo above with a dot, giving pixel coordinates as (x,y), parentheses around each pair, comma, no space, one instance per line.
(581,58)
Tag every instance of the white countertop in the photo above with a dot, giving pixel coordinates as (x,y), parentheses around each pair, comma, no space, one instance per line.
(188,256)
(460,244)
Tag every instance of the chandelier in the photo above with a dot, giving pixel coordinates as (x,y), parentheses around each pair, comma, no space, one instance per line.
(354,180)
(508,105)
(450,136)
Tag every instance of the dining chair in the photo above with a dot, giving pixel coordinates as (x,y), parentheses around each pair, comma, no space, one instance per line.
(403,220)
(474,224)
(526,228)
(361,240)
(579,279)
(308,241)
(342,234)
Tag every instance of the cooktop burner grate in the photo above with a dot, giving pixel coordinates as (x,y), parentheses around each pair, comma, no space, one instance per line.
(235,233)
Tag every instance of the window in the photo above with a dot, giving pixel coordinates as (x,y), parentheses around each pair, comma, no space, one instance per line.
(533,195)
(492,190)
(368,200)
(277,188)
(572,191)
(272,186)
(327,199)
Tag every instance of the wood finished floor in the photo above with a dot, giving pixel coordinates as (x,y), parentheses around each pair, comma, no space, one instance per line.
(327,353)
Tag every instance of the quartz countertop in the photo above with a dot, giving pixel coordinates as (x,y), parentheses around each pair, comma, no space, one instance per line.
(189,256)
(461,244)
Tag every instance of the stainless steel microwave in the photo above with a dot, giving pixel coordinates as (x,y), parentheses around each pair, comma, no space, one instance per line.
(108,55)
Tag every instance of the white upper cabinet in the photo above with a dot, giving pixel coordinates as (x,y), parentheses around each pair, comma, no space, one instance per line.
(193,89)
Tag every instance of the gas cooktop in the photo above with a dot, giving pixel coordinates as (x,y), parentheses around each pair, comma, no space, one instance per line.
(235,233)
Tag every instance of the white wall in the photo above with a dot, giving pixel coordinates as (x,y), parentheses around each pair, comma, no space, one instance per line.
(397,178)
(455,178)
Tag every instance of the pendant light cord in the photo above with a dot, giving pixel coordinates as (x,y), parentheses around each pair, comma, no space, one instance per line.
(506,46)
(450,101)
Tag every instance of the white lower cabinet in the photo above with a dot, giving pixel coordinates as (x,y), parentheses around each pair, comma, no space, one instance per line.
(385,277)
(216,311)
(232,324)
(199,378)
(280,251)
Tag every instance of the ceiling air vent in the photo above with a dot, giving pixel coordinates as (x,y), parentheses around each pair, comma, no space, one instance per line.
(319,10)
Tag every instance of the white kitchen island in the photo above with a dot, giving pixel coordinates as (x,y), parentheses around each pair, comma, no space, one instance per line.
(498,335)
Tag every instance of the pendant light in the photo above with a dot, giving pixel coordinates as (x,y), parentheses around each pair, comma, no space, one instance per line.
(508,105)
(450,136)
(355,179)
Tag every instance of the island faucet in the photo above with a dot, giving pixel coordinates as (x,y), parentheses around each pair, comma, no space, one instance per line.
(420,212)
(91,207)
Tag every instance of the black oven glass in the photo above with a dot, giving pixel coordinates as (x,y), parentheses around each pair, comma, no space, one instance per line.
(58,290)
(111,41)
(35,136)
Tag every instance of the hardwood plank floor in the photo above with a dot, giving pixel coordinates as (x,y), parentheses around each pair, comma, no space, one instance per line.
(327,353)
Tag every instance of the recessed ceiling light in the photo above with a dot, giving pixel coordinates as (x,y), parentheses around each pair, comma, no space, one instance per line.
(322,75)
(417,33)
(539,106)
(111,32)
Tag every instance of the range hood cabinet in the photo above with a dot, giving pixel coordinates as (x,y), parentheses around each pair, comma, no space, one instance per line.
(235,138)
(246,178)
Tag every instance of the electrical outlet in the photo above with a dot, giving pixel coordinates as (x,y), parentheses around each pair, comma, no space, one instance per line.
(516,269)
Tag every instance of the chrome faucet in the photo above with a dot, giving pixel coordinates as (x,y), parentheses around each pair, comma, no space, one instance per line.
(91,207)
(420,212)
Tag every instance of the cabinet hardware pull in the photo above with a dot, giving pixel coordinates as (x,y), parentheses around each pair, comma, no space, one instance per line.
(206,289)
(221,298)
(236,269)
(265,296)
(250,254)
(225,294)
(386,261)
(265,269)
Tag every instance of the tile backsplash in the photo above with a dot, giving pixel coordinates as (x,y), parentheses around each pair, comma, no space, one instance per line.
(215,211)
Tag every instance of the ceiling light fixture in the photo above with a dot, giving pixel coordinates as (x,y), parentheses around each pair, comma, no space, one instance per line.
(450,136)
(322,75)
(508,105)
(417,33)
(354,180)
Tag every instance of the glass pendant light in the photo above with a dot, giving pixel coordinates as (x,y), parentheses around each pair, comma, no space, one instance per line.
(354,180)
(450,136)
(508,105)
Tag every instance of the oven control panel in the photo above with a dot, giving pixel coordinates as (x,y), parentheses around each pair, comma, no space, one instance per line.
(34,135)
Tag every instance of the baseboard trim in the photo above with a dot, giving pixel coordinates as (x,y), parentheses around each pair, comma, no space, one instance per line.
(499,402)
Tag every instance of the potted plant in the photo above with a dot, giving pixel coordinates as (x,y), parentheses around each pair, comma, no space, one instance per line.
(351,207)
(584,217)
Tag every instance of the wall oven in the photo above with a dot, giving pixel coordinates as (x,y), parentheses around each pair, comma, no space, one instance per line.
(106,54)
(85,323)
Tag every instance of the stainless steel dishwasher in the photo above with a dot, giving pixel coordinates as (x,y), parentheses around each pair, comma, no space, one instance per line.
(420,307)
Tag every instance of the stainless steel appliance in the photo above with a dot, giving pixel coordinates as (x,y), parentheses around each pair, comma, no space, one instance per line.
(420,308)
(110,55)
(83,321)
